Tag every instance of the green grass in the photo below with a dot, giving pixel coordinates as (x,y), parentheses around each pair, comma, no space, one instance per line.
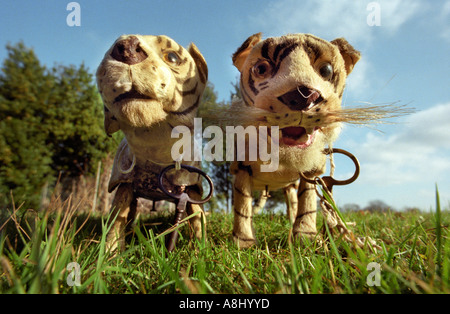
(37,248)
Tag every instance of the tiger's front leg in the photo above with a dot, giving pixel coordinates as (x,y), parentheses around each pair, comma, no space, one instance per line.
(243,232)
(305,221)
(123,213)
(290,193)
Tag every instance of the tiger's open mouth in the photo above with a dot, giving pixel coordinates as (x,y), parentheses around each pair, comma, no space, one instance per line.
(302,98)
(297,136)
(132,94)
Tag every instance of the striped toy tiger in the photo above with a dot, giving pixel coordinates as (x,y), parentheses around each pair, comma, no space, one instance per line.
(149,85)
(295,82)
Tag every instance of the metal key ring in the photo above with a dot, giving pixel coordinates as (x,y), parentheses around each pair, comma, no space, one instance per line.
(191,169)
(332,181)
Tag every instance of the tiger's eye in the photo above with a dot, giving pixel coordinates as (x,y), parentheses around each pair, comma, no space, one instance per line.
(326,71)
(262,69)
(171,57)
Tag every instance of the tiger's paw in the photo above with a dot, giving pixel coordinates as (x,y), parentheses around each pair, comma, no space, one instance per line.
(244,242)
(305,237)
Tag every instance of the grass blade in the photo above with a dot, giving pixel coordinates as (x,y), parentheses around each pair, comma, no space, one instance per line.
(438,235)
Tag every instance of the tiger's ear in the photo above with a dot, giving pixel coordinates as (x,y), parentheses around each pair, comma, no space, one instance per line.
(111,123)
(242,53)
(350,54)
(200,62)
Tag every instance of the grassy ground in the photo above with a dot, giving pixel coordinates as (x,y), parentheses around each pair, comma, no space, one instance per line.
(65,253)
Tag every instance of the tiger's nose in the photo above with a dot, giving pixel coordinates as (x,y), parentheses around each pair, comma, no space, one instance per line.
(129,51)
(301,98)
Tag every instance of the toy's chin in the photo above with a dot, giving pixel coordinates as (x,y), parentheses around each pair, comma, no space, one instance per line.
(137,110)
(297,137)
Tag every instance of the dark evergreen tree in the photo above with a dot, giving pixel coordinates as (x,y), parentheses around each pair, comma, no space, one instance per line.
(24,158)
(51,125)
(75,131)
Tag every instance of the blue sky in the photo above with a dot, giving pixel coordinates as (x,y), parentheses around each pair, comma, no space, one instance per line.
(405,59)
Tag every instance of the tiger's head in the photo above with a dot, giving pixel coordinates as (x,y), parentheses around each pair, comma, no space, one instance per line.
(294,81)
(144,80)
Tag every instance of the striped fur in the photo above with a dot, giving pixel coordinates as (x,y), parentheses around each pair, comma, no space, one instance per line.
(149,85)
(288,81)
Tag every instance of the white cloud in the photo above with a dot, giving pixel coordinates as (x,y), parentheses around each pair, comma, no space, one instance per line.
(445,16)
(357,82)
(429,128)
(330,19)
(323,18)
(418,152)
(394,13)
(446,8)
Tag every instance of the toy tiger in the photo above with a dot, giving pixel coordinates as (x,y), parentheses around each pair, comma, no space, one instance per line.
(295,82)
(149,85)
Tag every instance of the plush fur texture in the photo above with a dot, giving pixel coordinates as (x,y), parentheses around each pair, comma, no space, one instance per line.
(149,85)
(296,82)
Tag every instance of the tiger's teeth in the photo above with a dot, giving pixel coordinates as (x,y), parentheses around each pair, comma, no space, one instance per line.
(310,106)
